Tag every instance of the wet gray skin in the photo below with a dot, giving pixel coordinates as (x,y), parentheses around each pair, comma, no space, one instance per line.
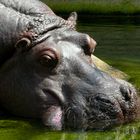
(55,81)
(46,72)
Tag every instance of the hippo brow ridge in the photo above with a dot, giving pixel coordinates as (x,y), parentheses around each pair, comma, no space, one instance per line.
(22,19)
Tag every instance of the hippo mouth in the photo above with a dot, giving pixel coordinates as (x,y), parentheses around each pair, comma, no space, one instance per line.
(60,114)
(53,114)
(99,112)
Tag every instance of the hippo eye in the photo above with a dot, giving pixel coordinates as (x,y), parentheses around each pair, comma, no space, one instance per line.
(48,58)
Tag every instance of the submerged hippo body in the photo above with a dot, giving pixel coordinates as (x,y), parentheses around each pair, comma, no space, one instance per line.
(46,72)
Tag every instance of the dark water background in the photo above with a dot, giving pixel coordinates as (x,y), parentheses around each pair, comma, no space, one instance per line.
(119,45)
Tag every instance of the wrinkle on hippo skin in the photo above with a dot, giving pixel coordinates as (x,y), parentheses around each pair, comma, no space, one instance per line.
(47,73)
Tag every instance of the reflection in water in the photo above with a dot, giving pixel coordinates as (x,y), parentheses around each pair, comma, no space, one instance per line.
(118,45)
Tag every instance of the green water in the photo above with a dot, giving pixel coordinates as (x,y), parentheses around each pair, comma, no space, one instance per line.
(119,46)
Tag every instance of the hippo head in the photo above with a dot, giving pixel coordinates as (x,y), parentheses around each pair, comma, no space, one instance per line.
(54,80)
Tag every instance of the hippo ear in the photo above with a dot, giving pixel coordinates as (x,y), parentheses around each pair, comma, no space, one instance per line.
(73,17)
(23,44)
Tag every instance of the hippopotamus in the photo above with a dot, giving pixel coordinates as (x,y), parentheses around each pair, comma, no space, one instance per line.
(46,72)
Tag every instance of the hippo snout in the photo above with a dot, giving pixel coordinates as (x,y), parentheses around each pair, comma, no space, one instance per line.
(101,111)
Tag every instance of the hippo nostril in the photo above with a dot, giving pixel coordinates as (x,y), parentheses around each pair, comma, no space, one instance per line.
(91,44)
(126,92)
